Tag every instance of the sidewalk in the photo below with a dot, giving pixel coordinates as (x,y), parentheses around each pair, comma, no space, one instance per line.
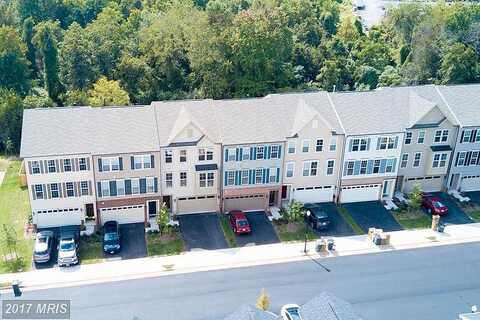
(231,258)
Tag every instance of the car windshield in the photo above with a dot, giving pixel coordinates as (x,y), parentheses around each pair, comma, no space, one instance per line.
(242,223)
(42,239)
(294,314)
(67,245)
(438,204)
(110,238)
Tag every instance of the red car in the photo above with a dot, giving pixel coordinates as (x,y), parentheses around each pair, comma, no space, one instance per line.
(434,205)
(239,222)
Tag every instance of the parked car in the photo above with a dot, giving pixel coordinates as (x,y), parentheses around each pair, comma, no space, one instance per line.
(42,250)
(290,312)
(68,248)
(359,5)
(434,205)
(239,222)
(318,219)
(111,237)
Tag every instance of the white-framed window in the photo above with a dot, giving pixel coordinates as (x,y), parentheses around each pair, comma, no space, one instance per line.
(135,186)
(441,136)
(232,154)
(461,158)
(105,188)
(54,190)
(272,177)
(443,160)
(408,137)
(150,184)
(292,146)
(120,187)
(363,166)
(67,165)
(333,144)
(305,146)
(350,168)
(183,155)
(289,169)
(319,145)
(143,161)
(439,160)
(258,176)
(260,152)
(416,159)
(69,188)
(376,166)
(474,158)
(230,178)
(84,190)
(168,179)
(245,177)
(330,167)
(359,144)
(421,137)
(387,143)
(477,137)
(82,164)
(206,179)
(210,179)
(183,179)
(404,160)
(467,135)
(389,165)
(51,166)
(38,191)
(35,168)
(205,155)
(275,152)
(168,156)
(310,168)
(246,154)
(111,164)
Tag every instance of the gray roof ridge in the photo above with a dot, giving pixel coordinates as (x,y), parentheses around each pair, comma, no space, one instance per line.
(336,113)
(448,106)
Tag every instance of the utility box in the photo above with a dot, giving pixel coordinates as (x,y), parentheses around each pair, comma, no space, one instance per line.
(435,222)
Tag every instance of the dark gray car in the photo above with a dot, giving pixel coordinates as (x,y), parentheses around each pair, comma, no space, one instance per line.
(317,218)
(42,250)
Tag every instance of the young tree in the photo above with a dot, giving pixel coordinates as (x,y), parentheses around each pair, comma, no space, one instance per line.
(107,93)
(14,73)
(263,301)
(294,211)
(163,218)
(415,197)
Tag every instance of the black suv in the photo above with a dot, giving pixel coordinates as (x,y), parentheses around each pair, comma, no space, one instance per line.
(111,237)
(318,218)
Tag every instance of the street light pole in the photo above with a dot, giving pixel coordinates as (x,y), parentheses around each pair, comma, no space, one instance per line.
(307,213)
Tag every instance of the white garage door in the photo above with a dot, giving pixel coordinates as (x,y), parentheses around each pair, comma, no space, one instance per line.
(58,217)
(367,192)
(196,204)
(427,184)
(470,183)
(126,214)
(314,194)
(254,202)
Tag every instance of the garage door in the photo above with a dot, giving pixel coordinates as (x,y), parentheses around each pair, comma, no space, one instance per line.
(196,204)
(58,217)
(314,194)
(254,202)
(367,192)
(470,183)
(126,214)
(427,184)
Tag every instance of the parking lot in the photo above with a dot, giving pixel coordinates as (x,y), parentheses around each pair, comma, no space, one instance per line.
(372,214)
(455,214)
(262,231)
(202,231)
(338,226)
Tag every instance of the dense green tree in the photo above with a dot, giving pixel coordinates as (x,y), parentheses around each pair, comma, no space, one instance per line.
(38,98)
(11,112)
(14,73)
(374,54)
(366,77)
(390,77)
(135,76)
(107,93)
(27,37)
(76,98)
(459,64)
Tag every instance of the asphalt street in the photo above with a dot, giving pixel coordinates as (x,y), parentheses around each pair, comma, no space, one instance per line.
(432,283)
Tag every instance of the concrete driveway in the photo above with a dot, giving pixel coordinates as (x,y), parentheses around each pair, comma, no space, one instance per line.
(262,230)
(372,214)
(133,241)
(202,231)
(338,226)
(455,214)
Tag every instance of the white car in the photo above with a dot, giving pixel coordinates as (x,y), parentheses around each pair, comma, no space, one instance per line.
(290,312)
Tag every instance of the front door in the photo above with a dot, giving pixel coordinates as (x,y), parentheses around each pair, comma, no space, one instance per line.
(90,212)
(152,208)
(272,198)
(386,188)
(168,202)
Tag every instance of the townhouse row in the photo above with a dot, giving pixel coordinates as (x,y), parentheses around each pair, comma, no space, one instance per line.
(121,163)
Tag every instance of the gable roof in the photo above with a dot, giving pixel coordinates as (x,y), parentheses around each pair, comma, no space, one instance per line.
(327,306)
(248,312)
(464,102)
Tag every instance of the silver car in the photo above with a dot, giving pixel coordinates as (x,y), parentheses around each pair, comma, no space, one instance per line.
(42,250)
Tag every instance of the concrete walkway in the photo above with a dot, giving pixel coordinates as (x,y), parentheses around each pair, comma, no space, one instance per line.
(232,258)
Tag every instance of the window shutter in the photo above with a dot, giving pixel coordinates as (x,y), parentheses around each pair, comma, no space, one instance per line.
(88,163)
(46,190)
(132,163)
(279,151)
(378,143)
(369,140)
(45,165)
(62,163)
(251,176)
(143,185)
(34,196)
(350,145)
(241,154)
(57,165)
(345,168)
(456,160)
(267,179)
(237,178)
(30,168)
(152,161)
(100,164)
(383,163)
(226,158)
(89,188)
(278,175)
(120,163)
(225,178)
(41,166)
(396,142)
(369,166)
(99,189)
(356,169)
(474,134)
(237,154)
(113,188)
(77,189)
(265,150)
(254,153)
(269,150)
(155,184)
(75,164)
(394,164)
(264,177)
(128,186)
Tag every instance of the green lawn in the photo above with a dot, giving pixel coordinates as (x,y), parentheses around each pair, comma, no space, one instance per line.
(90,249)
(165,245)
(349,219)
(472,209)
(14,211)
(293,231)
(227,231)
(413,220)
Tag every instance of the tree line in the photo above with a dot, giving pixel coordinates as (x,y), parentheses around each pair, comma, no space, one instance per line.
(118,52)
